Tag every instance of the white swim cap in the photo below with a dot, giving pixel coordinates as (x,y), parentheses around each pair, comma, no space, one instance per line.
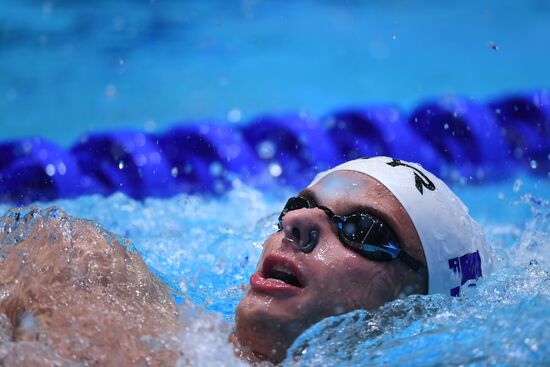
(455,249)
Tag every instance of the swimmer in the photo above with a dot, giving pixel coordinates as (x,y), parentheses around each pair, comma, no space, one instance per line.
(360,235)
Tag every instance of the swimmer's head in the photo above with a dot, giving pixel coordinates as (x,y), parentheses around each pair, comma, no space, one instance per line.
(365,233)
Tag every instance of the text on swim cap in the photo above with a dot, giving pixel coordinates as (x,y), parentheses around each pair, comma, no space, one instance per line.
(468,266)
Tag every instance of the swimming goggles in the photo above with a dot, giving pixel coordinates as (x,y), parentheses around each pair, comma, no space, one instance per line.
(363,233)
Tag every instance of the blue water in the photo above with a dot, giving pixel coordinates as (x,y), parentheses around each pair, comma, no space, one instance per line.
(206,249)
(71,67)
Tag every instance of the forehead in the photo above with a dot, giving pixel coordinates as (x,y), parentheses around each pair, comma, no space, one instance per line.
(345,190)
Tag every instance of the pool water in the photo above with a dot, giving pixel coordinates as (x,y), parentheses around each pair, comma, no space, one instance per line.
(73,67)
(206,248)
(70,68)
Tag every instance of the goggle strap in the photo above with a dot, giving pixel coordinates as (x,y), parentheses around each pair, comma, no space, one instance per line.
(412,262)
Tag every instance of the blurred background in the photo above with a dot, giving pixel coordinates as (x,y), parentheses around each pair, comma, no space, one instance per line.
(71,67)
(184,126)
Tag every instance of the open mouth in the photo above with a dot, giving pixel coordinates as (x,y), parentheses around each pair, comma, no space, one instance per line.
(281,270)
(282,274)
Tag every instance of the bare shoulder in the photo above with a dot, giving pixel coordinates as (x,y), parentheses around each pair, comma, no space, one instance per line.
(70,285)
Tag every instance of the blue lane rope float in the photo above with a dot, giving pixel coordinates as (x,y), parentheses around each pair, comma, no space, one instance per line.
(465,134)
(524,120)
(131,162)
(455,138)
(36,169)
(208,156)
(378,130)
(292,147)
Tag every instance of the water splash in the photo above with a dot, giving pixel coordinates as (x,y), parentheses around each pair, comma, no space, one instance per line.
(435,330)
(69,290)
(534,243)
(204,339)
(210,246)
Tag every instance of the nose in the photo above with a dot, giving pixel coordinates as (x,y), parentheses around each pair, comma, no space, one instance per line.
(301,229)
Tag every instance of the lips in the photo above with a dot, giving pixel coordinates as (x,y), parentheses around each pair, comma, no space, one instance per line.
(278,275)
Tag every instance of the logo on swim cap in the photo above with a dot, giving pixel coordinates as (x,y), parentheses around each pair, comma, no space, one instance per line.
(468,267)
(420,182)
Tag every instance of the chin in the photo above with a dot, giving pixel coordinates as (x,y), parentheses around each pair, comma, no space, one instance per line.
(265,329)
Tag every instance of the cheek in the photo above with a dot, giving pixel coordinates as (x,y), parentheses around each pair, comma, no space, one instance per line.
(339,270)
(348,281)
(330,252)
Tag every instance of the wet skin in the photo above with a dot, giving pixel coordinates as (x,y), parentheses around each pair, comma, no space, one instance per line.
(71,293)
(332,279)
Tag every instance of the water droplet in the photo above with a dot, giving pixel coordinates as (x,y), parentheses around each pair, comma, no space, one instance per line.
(140,140)
(275,169)
(150,126)
(43,154)
(236,183)
(50,170)
(154,158)
(216,168)
(534,164)
(121,165)
(266,149)
(110,90)
(141,160)
(61,168)
(4,294)
(174,171)
(446,126)
(517,185)
(234,115)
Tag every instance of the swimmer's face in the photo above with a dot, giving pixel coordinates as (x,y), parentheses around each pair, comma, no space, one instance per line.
(331,279)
